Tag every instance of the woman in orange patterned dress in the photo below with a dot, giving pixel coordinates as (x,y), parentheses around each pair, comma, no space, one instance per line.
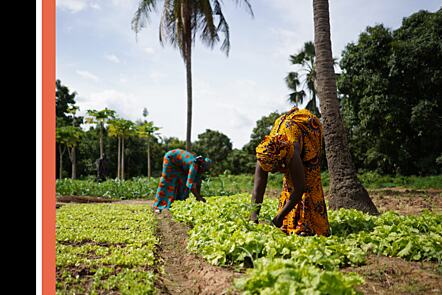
(294,148)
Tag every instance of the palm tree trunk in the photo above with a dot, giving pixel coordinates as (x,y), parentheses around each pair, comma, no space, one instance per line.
(60,152)
(149,171)
(119,158)
(346,191)
(74,163)
(188,61)
(101,140)
(122,158)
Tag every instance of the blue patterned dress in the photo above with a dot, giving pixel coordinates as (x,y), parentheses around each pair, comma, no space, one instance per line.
(180,174)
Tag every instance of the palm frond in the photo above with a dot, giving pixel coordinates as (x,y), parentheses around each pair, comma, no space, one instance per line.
(297,59)
(309,49)
(164,28)
(311,106)
(248,5)
(204,23)
(142,13)
(222,27)
(296,97)
(292,81)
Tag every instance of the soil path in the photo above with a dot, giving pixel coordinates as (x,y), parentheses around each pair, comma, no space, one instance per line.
(184,272)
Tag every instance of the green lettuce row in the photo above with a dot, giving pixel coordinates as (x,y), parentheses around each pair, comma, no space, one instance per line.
(105,248)
(284,276)
(114,189)
(222,234)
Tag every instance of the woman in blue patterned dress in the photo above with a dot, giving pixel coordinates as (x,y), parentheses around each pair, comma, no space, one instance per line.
(182,172)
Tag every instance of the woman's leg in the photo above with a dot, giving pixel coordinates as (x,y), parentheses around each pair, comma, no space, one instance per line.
(164,195)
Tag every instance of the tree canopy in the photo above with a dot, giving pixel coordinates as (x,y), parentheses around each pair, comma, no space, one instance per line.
(391,82)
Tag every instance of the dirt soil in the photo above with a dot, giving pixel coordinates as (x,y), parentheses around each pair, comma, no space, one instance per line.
(406,201)
(389,275)
(184,272)
(82,199)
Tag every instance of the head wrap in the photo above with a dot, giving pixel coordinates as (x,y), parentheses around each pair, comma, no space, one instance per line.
(274,152)
(204,163)
(207,164)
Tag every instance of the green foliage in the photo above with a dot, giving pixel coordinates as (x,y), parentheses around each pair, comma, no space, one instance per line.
(288,277)
(200,16)
(392,87)
(305,58)
(216,146)
(100,117)
(222,185)
(374,180)
(222,233)
(146,130)
(68,135)
(263,128)
(65,106)
(105,249)
(240,161)
(171,143)
(113,189)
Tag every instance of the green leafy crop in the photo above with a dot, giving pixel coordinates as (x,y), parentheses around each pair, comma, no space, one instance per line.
(221,233)
(104,249)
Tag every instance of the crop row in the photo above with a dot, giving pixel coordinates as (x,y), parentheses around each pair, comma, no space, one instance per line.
(222,234)
(105,248)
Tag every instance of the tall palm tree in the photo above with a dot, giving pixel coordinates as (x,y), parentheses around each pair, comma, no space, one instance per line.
(180,21)
(346,191)
(306,59)
(146,131)
(68,137)
(100,118)
(121,129)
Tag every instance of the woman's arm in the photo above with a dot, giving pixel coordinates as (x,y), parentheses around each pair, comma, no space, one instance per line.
(196,191)
(259,187)
(296,169)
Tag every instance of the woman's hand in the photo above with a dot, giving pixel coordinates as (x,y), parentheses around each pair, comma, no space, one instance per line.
(201,199)
(254,217)
(196,192)
(277,221)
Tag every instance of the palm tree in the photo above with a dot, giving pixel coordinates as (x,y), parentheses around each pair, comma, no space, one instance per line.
(180,21)
(146,130)
(346,191)
(293,83)
(69,137)
(100,118)
(121,129)
(305,58)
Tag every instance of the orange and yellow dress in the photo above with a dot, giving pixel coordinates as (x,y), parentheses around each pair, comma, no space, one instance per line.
(302,130)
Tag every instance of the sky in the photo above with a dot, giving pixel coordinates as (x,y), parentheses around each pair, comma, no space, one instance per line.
(100,57)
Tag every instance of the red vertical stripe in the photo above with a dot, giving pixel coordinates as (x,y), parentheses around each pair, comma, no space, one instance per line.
(48,147)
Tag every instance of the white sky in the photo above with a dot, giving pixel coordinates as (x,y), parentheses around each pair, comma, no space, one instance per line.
(99,57)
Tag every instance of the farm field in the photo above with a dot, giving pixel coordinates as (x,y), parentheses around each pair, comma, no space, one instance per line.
(117,245)
(105,248)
